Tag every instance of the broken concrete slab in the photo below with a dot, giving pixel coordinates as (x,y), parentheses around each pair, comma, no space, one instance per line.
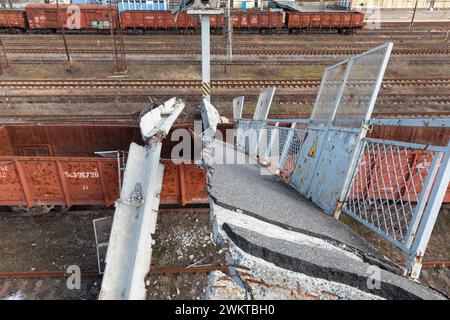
(289,264)
(328,265)
(243,187)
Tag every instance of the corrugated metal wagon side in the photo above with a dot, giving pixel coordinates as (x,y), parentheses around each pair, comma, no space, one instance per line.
(69,181)
(187,22)
(340,21)
(253,20)
(33,181)
(73,17)
(15,20)
(139,21)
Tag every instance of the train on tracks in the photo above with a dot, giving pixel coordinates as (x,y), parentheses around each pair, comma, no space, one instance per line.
(55,166)
(47,18)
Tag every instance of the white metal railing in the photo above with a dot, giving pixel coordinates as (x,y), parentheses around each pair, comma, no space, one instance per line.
(396,188)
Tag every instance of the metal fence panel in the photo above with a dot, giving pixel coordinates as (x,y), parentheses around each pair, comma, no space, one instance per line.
(361,87)
(326,97)
(326,164)
(390,188)
(288,162)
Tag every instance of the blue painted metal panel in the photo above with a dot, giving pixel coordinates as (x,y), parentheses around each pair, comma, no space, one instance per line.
(332,168)
(307,161)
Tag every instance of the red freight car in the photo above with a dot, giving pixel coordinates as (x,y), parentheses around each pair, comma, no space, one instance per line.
(258,20)
(69,181)
(137,21)
(73,17)
(13,20)
(341,21)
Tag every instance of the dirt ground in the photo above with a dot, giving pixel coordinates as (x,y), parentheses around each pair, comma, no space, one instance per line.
(183,239)
(56,240)
(398,67)
(47,242)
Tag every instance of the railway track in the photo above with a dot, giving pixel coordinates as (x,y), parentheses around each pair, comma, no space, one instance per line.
(131,119)
(384,98)
(259,52)
(21,61)
(222,83)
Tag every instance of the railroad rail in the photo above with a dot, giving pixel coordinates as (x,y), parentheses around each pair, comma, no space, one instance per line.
(95,273)
(162,270)
(259,52)
(222,83)
(131,119)
(184,62)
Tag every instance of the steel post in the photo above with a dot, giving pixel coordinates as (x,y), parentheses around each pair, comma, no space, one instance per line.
(414,263)
(206,58)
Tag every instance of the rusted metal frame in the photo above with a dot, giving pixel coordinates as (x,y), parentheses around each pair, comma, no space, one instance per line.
(102,182)
(414,263)
(63,180)
(95,272)
(182,185)
(24,184)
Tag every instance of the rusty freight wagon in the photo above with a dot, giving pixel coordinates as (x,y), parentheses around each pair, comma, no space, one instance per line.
(13,20)
(51,165)
(340,21)
(263,21)
(72,17)
(137,21)
(140,20)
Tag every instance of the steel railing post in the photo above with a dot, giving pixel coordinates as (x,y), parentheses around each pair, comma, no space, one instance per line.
(414,263)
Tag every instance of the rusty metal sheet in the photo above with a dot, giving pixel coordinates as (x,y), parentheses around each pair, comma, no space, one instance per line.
(44,16)
(72,181)
(146,19)
(325,20)
(65,141)
(13,19)
(421,135)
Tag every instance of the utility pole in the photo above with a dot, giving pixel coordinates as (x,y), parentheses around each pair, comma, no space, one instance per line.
(63,36)
(228,34)
(120,62)
(413,16)
(205,12)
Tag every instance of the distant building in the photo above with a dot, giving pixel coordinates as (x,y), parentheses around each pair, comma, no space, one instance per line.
(131,4)
(395,4)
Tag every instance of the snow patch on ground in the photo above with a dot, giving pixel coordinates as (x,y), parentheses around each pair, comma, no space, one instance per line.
(15,296)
